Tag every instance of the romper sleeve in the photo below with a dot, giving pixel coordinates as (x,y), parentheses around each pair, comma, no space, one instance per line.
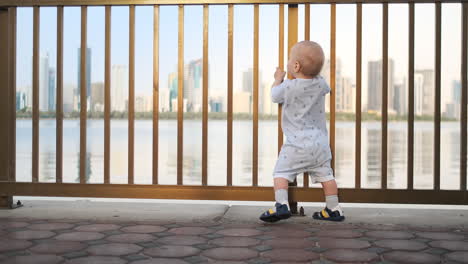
(277,92)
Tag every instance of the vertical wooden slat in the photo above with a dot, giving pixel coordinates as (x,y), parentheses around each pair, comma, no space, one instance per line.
(12,14)
(307,22)
(180,99)
(384,95)
(35,139)
(410,172)
(281,66)
(464,98)
(107,96)
(205,98)
(332,81)
(155,94)
(306,37)
(255,98)
(59,113)
(131,97)
(229,93)
(357,166)
(437,102)
(83,94)
(293,21)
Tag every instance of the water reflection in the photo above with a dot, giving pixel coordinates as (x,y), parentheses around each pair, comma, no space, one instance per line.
(345,155)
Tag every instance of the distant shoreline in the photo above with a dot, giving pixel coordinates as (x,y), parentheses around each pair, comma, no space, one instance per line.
(351,117)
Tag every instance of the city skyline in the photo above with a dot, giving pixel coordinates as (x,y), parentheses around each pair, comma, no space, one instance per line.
(243,44)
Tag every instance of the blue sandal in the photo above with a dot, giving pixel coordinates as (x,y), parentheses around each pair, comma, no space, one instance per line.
(271,216)
(329,215)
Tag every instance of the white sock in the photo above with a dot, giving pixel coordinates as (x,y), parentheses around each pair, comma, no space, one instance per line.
(281,196)
(332,202)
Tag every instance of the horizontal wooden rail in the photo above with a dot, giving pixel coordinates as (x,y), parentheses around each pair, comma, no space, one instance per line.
(8,3)
(228,193)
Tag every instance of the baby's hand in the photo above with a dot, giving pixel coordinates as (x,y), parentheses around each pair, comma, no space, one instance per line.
(279,74)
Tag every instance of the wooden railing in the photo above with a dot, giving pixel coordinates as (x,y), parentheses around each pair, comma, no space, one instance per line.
(9,186)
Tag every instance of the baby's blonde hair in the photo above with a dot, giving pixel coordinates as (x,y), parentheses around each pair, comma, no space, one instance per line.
(310,56)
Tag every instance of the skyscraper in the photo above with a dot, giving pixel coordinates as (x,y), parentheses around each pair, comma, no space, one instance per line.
(88,75)
(193,85)
(51,93)
(424,93)
(97,96)
(374,85)
(173,89)
(119,87)
(44,83)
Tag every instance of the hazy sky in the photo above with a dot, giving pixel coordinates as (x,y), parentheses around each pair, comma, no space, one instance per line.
(243,40)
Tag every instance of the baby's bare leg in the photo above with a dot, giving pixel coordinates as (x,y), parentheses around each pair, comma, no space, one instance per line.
(329,188)
(280,183)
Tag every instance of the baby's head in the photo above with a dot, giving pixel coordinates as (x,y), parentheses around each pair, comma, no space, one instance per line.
(306,59)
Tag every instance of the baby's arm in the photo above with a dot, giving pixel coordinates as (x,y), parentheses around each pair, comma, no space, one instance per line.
(277,89)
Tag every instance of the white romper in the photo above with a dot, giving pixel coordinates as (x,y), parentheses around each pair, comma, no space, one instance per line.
(303,122)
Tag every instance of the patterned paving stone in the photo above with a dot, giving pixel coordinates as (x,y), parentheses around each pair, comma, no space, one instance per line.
(58,247)
(97,227)
(390,234)
(240,232)
(290,255)
(31,234)
(350,255)
(135,257)
(50,226)
(80,236)
(13,244)
(436,251)
(130,238)
(7,225)
(113,249)
(196,259)
(34,259)
(172,251)
(339,233)
(230,253)
(97,260)
(401,244)
(160,261)
(262,248)
(259,261)
(191,230)
(75,254)
(235,242)
(288,233)
(450,245)
(440,236)
(144,229)
(411,257)
(182,240)
(290,243)
(459,256)
(344,243)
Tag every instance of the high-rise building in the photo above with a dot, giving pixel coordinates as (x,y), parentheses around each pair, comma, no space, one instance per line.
(51,93)
(193,85)
(44,83)
(374,85)
(119,87)
(247,81)
(399,102)
(424,92)
(97,96)
(88,76)
(453,109)
(173,90)
(68,98)
(20,100)
(143,103)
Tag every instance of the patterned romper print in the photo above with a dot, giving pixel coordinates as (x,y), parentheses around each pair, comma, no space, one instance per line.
(303,122)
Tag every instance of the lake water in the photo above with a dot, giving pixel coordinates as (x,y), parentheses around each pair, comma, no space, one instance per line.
(242,152)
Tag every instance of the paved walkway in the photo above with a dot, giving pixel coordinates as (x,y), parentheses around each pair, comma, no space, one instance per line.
(301,240)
